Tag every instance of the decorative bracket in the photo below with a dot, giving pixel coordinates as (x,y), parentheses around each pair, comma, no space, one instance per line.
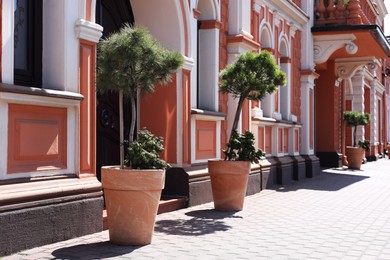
(326,45)
(345,69)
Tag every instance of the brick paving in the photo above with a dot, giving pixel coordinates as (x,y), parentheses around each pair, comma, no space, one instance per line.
(341,214)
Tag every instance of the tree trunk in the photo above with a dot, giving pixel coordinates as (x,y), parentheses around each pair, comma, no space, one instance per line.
(236,118)
(121,139)
(133,119)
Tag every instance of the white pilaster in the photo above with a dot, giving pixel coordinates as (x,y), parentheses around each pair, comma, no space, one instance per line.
(239,17)
(307,117)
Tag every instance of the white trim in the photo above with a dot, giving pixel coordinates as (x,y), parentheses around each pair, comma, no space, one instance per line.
(326,45)
(72,106)
(88,31)
(3,139)
(7,63)
(179,117)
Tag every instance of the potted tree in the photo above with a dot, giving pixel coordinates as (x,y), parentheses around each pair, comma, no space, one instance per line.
(252,76)
(131,62)
(356,152)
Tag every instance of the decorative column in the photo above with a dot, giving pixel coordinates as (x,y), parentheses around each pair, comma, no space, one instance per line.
(374,109)
(357,97)
(307,111)
(89,34)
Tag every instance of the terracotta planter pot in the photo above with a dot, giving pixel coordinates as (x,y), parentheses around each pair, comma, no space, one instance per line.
(354,157)
(229,180)
(132,198)
(388,151)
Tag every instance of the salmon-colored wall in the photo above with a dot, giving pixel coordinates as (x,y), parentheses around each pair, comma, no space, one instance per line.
(296,76)
(245,116)
(88,15)
(223,59)
(280,140)
(268,139)
(296,140)
(261,138)
(158,113)
(186,120)
(87,108)
(255,23)
(285,140)
(205,139)
(325,110)
(37,138)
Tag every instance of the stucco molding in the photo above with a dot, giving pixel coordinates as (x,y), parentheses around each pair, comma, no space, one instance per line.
(89,31)
(326,45)
(346,68)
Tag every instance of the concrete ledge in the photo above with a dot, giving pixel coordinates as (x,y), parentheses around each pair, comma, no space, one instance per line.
(41,225)
(41,212)
(38,193)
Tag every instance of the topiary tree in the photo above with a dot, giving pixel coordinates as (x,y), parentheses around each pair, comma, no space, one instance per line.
(252,76)
(132,62)
(354,119)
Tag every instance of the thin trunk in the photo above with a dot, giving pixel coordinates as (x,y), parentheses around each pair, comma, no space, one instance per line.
(354,136)
(236,118)
(121,141)
(133,119)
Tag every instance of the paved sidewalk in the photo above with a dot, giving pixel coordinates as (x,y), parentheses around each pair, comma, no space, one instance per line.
(341,214)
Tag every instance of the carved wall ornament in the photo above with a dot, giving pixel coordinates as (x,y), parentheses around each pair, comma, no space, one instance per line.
(326,45)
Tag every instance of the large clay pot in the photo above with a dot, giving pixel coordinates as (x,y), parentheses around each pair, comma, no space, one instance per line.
(388,151)
(132,198)
(229,180)
(354,157)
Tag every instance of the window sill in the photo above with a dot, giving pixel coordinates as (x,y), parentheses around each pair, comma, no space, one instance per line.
(15,89)
(199,112)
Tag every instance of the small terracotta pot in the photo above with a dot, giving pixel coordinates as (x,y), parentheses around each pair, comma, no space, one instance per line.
(229,180)
(132,198)
(354,157)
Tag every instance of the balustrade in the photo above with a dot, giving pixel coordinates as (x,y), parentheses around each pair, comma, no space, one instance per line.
(343,12)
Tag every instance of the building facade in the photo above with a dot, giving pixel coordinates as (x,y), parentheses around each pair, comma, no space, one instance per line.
(350,52)
(57,133)
(48,186)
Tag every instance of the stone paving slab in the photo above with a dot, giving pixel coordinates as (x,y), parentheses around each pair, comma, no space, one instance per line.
(341,214)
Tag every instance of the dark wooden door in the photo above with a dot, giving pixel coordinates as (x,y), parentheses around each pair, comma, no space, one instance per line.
(111,15)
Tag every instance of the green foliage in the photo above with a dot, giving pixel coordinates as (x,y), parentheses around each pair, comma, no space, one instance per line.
(145,152)
(364,144)
(354,119)
(252,76)
(132,60)
(129,62)
(241,148)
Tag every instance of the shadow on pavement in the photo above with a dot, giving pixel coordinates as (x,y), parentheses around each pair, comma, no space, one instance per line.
(93,251)
(327,181)
(203,222)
